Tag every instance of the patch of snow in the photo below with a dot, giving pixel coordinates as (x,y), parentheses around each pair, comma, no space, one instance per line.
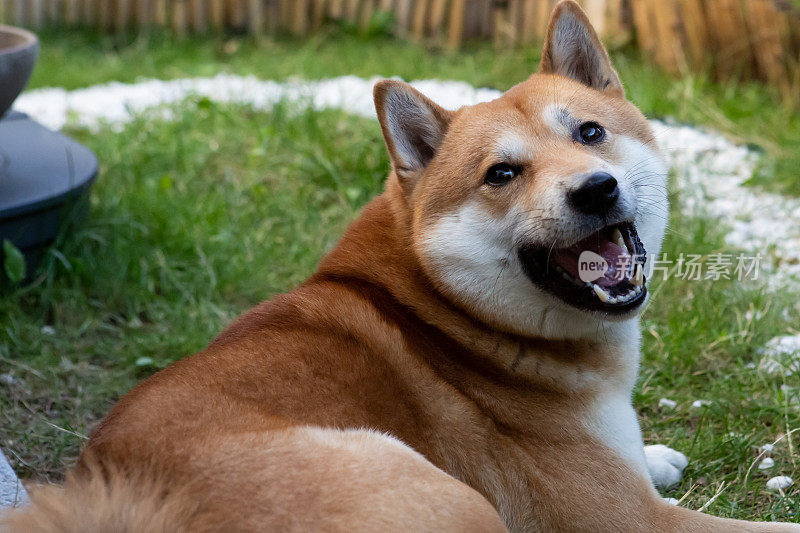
(779,482)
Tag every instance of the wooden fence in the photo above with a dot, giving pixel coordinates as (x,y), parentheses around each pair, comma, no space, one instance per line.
(748,38)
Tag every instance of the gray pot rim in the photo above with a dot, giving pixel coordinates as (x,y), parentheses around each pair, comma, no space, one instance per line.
(30,39)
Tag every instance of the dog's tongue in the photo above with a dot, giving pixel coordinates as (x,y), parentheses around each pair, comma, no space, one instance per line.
(616,257)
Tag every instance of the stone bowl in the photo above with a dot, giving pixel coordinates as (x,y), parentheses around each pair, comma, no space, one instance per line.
(18,52)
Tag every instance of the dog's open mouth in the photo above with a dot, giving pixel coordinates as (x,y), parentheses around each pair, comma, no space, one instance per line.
(603,272)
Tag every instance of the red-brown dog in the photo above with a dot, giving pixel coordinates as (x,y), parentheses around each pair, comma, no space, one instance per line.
(457,363)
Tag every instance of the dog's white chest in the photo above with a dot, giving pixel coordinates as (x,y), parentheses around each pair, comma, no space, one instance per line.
(613,421)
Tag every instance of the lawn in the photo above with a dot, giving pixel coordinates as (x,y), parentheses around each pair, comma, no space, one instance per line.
(195,219)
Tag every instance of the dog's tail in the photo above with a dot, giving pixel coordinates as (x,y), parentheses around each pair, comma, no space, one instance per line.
(98,499)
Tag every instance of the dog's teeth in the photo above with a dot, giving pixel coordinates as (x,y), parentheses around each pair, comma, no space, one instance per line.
(616,236)
(603,295)
(638,277)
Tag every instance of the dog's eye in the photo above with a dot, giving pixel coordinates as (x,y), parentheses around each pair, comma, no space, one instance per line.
(500,174)
(590,133)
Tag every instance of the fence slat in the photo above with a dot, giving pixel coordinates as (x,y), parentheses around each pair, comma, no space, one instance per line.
(317,14)
(456,32)
(198,16)
(596,11)
(731,43)
(436,19)
(255,17)
(180,17)
(418,22)
(159,13)
(766,38)
(37,13)
(336,9)
(644,30)
(351,10)
(122,15)
(367,11)
(695,32)
(669,52)
(542,17)
(216,15)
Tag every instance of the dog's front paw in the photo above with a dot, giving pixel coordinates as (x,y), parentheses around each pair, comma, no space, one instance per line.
(665,465)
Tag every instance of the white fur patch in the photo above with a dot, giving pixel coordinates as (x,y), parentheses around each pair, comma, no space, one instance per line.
(475,255)
(554,116)
(512,148)
(665,465)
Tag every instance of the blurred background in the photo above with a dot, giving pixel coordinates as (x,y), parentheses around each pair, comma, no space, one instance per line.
(749,39)
(211,198)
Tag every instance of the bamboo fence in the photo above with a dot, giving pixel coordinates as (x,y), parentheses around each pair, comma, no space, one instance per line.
(757,39)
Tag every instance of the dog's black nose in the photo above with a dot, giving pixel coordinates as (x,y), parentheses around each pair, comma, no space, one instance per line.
(596,195)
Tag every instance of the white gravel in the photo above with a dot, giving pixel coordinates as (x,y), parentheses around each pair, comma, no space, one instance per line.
(781,355)
(779,482)
(766,463)
(699,404)
(667,404)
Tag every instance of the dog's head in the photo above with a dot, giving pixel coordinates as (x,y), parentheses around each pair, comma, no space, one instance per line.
(541,205)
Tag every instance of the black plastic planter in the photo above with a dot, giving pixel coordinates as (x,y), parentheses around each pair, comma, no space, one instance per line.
(44,183)
(44,176)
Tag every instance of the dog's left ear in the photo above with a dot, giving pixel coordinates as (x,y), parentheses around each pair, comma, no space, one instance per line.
(413,126)
(573,49)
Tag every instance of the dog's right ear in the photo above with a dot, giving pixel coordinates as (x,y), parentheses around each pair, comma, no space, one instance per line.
(572,49)
(413,126)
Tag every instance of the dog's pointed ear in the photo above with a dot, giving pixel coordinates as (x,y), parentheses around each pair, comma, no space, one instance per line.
(573,49)
(412,124)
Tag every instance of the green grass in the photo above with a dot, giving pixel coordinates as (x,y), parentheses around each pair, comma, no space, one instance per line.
(193,221)
(196,219)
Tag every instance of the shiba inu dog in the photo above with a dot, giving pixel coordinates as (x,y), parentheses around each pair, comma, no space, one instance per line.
(462,361)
